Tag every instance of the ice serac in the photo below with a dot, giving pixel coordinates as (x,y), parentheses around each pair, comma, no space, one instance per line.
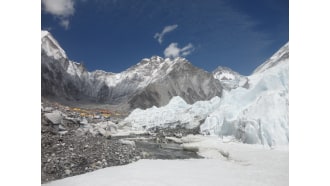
(176,112)
(153,81)
(258,114)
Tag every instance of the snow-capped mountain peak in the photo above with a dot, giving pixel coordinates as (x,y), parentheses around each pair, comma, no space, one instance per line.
(155,67)
(156,59)
(51,46)
(228,78)
(225,73)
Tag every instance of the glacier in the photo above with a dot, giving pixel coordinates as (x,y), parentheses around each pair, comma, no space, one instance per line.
(255,114)
(259,114)
(176,112)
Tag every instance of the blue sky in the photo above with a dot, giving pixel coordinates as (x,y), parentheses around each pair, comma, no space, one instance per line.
(113,35)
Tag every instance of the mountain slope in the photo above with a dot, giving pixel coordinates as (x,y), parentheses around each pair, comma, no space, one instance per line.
(279,57)
(184,80)
(151,82)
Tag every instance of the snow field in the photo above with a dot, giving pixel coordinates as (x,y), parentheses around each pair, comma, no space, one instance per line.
(246,165)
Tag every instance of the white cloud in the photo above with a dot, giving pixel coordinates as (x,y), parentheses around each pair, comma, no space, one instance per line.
(65,23)
(173,51)
(61,9)
(167,29)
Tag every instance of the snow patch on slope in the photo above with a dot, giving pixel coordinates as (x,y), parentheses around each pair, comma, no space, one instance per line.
(74,68)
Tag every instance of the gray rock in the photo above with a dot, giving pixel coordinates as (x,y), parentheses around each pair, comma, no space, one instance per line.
(61,128)
(84,121)
(54,117)
(112,127)
(104,132)
(62,132)
(48,109)
(224,154)
(178,135)
(67,171)
(72,120)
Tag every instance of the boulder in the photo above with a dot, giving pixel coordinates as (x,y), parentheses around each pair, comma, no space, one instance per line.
(112,126)
(108,126)
(104,133)
(174,139)
(61,128)
(84,121)
(54,117)
(67,171)
(48,109)
(72,120)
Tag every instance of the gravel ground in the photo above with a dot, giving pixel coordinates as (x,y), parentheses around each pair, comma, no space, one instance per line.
(70,154)
(67,152)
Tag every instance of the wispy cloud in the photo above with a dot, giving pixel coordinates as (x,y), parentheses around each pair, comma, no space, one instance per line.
(173,50)
(167,29)
(65,23)
(61,9)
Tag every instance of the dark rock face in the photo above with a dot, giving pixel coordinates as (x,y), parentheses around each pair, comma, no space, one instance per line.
(103,93)
(56,82)
(185,80)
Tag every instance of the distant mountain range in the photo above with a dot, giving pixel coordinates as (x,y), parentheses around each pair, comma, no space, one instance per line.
(151,82)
